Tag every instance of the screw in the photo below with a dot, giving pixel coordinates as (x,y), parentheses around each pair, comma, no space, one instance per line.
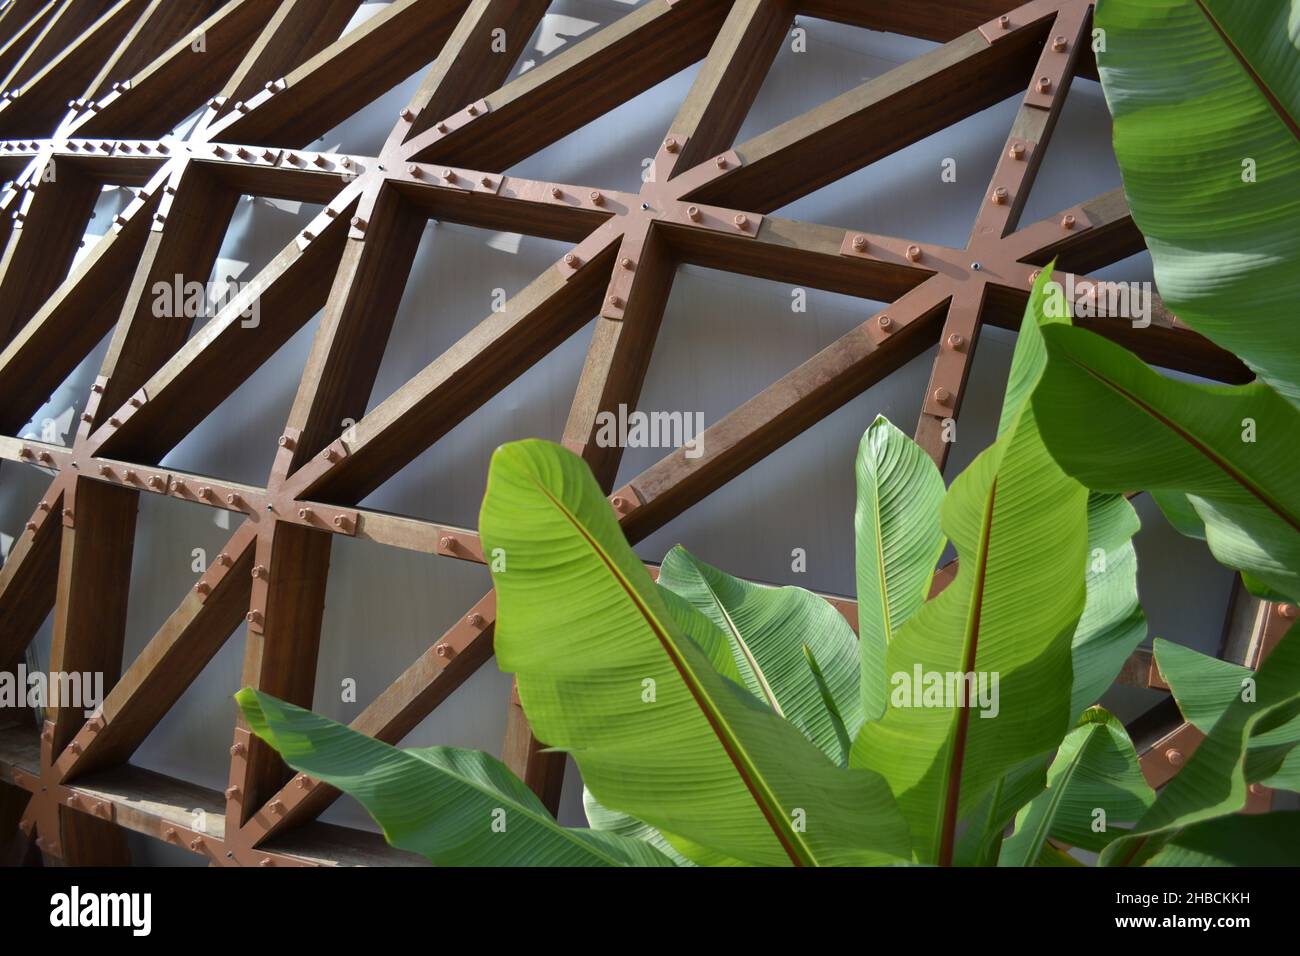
(670,144)
(415,170)
(331,454)
(645,205)
(196,844)
(570,259)
(447,543)
(1017,150)
(259,570)
(406,114)
(614,301)
(742,222)
(1067,222)
(975,267)
(253,617)
(342,522)
(487,182)
(913,253)
(556,192)
(445,651)
(596,198)
(694,213)
(472,110)
(359,223)
(128,475)
(619,502)
(232,793)
(304,783)
(170,834)
(1287,611)
(1044,84)
(860,243)
(265,861)
(441,127)
(476,620)
(204,492)
(626,263)
(956,341)
(202,587)
(1174,756)
(721,162)
(1059,45)
(885,323)
(1004,23)
(155,482)
(31,526)
(449,174)
(67,512)
(223,559)
(999,196)
(305,514)
(276,806)
(285,441)
(942,395)
(178,485)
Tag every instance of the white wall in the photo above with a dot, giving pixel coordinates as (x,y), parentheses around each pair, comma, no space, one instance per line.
(724,338)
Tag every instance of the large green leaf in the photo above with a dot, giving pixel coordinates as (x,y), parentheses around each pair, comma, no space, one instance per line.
(605,674)
(985,826)
(1268,839)
(454,807)
(1095,771)
(1020,528)
(898,542)
(1112,624)
(766,629)
(1214,781)
(1115,424)
(1202,91)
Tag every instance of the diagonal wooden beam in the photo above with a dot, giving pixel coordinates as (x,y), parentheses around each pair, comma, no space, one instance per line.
(69,18)
(21,35)
(574,87)
(161,25)
(29,577)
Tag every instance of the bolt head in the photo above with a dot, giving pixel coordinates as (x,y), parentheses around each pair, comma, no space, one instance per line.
(1044,84)
(597,198)
(1059,44)
(1067,222)
(1174,756)
(885,322)
(407,114)
(859,243)
(614,301)
(956,341)
(999,195)
(1287,611)
(742,221)
(570,259)
(626,263)
(670,144)
(693,212)
(444,651)
(913,253)
(721,162)
(476,620)
(942,395)
(1004,23)
(305,514)
(556,192)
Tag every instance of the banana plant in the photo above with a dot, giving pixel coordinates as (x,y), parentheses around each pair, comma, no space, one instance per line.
(1206,107)
(712,719)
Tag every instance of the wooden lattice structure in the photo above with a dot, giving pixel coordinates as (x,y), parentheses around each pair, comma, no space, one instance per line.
(96,86)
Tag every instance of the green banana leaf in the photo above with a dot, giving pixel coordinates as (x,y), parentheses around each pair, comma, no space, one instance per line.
(604,820)
(1112,624)
(1096,768)
(1115,424)
(1020,528)
(898,543)
(605,673)
(1269,839)
(1204,687)
(985,827)
(1201,92)
(454,807)
(765,629)
(1213,783)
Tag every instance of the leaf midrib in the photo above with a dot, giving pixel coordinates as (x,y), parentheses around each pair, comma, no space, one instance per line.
(1269,96)
(794,846)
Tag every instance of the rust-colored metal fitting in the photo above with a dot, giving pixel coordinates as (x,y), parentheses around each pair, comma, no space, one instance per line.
(619,503)
(266,861)
(171,835)
(1287,611)
(331,454)
(448,543)
(259,570)
(204,492)
(1060,44)
(476,620)
(1067,222)
(24,451)
(445,651)
(1017,151)
(202,587)
(304,783)
(358,223)
(614,301)
(232,793)
(571,260)
(253,617)
(449,174)
(1174,756)
(914,253)
(196,844)
(885,323)
(670,144)
(128,475)
(1004,22)
(74,800)
(1033,276)
(285,442)
(342,522)
(860,243)
(31,526)
(233,498)
(956,341)
(720,162)
(487,182)
(67,512)
(942,395)
(156,482)
(276,806)
(1044,84)
(237,750)
(44,505)
(596,198)
(556,192)
(178,485)
(407,114)
(742,221)
(626,263)
(415,170)
(46,457)
(999,195)
(305,514)
(223,559)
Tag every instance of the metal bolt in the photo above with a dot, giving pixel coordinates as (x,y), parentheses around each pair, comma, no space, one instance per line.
(1017,151)
(342,522)
(345,161)
(742,221)
(178,485)
(415,170)
(999,196)
(359,223)
(445,651)
(570,259)
(596,198)
(155,482)
(1044,84)
(472,110)
(204,492)
(285,441)
(265,861)
(1174,756)
(626,263)
(308,235)
(1059,44)
(441,127)
(487,182)
(31,526)
(556,192)
(242,153)
(24,451)
(721,162)
(128,475)
(46,457)
(694,213)
(1067,222)
(406,114)
(956,341)
(942,395)
(253,617)
(1257,789)
(975,267)
(447,543)
(476,619)
(449,175)
(223,559)
(259,570)
(670,144)
(330,454)
(305,514)
(170,834)
(1287,611)
(885,323)
(1004,23)
(320,161)
(914,253)
(44,506)
(202,587)
(614,301)
(304,783)
(67,512)
(859,243)
(232,793)
(238,750)
(1033,276)
(196,844)
(276,806)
